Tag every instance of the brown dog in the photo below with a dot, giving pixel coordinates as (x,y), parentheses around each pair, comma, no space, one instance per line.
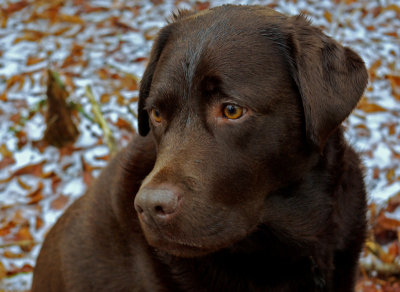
(243,182)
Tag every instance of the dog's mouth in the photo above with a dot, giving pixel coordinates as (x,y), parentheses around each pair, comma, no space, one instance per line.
(176,245)
(171,240)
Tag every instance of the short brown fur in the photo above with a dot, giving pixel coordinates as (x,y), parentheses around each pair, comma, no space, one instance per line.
(273,201)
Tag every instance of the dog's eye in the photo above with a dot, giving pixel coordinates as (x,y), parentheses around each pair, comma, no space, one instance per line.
(232,111)
(156,115)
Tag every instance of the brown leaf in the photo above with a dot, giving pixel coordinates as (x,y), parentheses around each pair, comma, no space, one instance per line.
(393,7)
(55,181)
(391,175)
(25,269)
(13,80)
(3,272)
(14,7)
(3,96)
(36,195)
(22,139)
(367,107)
(34,60)
(129,82)
(395,83)
(35,169)
(59,203)
(374,67)
(122,124)
(23,185)
(328,16)
(23,234)
(36,191)
(38,223)
(105,157)
(61,31)
(87,172)
(202,5)
(31,36)
(6,161)
(69,18)
(388,223)
(140,59)
(12,255)
(105,98)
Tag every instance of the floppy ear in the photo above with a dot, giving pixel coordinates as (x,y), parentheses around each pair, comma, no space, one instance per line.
(158,46)
(143,117)
(331,78)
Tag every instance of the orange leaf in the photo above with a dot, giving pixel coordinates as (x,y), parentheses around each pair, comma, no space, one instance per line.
(61,31)
(374,67)
(25,269)
(69,18)
(6,161)
(328,16)
(14,7)
(12,255)
(393,7)
(391,175)
(38,223)
(4,151)
(122,124)
(13,80)
(33,60)
(36,191)
(3,96)
(23,185)
(59,203)
(31,36)
(32,169)
(388,223)
(392,34)
(367,107)
(202,5)
(3,272)
(87,172)
(23,234)
(105,97)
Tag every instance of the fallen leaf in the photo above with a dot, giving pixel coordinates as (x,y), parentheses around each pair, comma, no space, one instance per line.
(22,184)
(24,269)
(34,60)
(38,223)
(328,16)
(374,67)
(12,255)
(35,169)
(59,203)
(368,107)
(6,161)
(14,7)
(3,272)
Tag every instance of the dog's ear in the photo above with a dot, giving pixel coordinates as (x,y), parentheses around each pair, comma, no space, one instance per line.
(331,78)
(145,84)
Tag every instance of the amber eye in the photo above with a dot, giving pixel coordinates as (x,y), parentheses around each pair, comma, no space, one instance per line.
(156,115)
(232,111)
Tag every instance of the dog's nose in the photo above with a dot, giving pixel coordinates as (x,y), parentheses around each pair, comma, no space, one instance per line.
(159,204)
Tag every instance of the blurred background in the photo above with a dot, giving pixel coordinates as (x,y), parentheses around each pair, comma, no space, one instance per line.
(82,60)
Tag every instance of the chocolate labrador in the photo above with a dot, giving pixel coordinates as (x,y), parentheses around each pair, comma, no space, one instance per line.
(241,179)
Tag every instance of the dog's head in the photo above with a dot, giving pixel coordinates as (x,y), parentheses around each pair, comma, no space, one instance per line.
(240,101)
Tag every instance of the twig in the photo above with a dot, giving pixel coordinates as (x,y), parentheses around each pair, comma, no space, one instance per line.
(108,136)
